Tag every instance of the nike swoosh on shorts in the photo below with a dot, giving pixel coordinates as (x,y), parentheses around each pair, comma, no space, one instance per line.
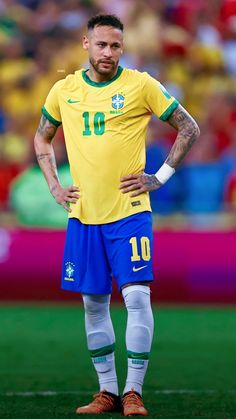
(138,269)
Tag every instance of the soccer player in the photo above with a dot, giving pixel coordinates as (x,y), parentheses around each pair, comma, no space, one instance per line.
(105,112)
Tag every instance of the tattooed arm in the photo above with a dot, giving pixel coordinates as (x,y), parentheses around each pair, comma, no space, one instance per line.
(46,159)
(188,132)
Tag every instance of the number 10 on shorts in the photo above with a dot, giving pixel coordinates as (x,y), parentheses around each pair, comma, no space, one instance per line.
(144,246)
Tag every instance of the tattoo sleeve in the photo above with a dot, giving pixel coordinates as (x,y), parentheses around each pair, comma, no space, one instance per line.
(188,132)
(46,128)
(45,153)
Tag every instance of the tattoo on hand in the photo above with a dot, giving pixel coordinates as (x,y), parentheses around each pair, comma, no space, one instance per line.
(151,182)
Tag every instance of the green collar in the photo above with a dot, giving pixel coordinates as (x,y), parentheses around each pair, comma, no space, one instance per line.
(104,83)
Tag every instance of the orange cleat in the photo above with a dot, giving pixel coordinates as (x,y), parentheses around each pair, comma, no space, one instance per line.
(103,402)
(133,404)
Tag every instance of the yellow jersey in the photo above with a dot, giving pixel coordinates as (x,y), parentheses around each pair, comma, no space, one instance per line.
(105,126)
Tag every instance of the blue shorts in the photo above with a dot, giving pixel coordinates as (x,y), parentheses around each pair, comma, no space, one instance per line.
(96,253)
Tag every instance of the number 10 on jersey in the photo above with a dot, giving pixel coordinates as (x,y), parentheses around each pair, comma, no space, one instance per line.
(98,121)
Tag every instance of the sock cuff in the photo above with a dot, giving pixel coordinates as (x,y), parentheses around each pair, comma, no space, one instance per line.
(138,355)
(105,350)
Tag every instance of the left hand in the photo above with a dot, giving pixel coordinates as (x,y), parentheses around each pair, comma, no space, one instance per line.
(140,183)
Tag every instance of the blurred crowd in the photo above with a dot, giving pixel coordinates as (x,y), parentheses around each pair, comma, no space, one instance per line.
(190,46)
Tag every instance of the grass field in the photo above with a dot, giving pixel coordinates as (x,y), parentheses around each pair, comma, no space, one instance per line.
(45,370)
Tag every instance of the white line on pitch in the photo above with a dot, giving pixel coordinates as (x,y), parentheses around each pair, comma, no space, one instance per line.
(85,393)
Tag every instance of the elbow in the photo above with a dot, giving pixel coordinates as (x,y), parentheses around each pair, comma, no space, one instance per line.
(195,131)
(36,143)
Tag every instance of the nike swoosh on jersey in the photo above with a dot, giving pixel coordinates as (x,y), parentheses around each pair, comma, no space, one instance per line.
(72,101)
(138,269)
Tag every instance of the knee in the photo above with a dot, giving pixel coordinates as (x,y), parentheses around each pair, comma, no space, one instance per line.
(96,305)
(136,299)
(140,318)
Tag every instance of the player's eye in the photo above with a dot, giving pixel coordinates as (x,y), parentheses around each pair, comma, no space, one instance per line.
(116,46)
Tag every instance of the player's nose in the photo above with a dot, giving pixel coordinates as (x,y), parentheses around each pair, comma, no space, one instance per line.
(107,51)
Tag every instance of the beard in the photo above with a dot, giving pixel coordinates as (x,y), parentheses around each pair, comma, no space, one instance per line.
(97,65)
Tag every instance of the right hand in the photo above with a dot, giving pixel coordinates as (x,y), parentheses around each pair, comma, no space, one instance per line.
(65,195)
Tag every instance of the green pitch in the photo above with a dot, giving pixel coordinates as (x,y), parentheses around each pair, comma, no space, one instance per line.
(45,370)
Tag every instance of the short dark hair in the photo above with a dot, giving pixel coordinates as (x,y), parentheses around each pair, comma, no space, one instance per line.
(105,20)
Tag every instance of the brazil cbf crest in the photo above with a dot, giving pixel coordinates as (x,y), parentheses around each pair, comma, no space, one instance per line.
(70,269)
(117,101)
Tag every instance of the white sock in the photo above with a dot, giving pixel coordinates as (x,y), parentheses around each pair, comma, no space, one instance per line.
(101,340)
(106,373)
(139,333)
(136,374)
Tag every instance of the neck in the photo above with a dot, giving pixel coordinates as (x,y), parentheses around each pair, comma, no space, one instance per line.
(99,78)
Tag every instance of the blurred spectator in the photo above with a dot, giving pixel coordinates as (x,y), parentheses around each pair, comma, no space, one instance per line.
(230,192)
(229,160)
(2,120)
(229,155)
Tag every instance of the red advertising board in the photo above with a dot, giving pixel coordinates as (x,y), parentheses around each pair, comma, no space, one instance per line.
(191,267)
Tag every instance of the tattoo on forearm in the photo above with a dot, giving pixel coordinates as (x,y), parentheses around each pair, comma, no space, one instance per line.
(49,159)
(47,163)
(188,132)
(42,156)
(45,153)
(46,128)
(53,188)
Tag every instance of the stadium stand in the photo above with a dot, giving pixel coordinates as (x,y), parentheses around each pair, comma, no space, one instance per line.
(189,46)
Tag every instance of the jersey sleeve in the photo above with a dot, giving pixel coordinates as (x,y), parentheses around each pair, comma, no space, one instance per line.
(51,108)
(157,99)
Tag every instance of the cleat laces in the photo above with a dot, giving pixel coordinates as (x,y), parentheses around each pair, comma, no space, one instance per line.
(134,398)
(102,399)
